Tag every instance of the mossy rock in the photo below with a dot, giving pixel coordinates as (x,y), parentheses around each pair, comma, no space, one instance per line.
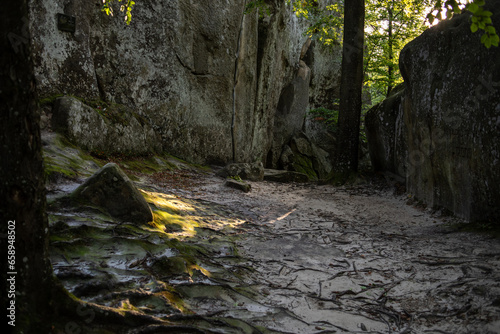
(113,191)
(304,164)
(170,266)
(239,185)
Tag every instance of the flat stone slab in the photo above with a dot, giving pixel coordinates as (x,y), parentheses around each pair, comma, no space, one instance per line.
(240,185)
(284,176)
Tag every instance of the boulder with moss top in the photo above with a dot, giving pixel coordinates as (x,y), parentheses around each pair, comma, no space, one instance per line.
(111,190)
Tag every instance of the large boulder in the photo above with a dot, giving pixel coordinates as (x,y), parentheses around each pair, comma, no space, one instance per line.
(246,171)
(116,131)
(303,156)
(321,134)
(111,190)
(239,185)
(452,115)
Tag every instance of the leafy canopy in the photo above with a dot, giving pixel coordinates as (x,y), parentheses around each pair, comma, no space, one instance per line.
(390,25)
(480,20)
(325,20)
(125,7)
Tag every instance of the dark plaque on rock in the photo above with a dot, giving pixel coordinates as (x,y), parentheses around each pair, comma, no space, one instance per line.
(66,23)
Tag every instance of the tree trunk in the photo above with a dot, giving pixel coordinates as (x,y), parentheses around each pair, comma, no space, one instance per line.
(390,69)
(24,225)
(346,157)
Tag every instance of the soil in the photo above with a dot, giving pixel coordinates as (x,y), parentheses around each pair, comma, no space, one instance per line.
(282,258)
(361,259)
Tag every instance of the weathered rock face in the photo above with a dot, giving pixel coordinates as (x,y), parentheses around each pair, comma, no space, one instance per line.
(208,78)
(325,67)
(121,134)
(291,111)
(321,135)
(451,112)
(110,189)
(386,134)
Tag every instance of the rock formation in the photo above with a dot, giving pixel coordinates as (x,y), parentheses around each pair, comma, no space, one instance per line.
(386,134)
(451,115)
(111,190)
(304,156)
(246,171)
(239,185)
(117,131)
(214,83)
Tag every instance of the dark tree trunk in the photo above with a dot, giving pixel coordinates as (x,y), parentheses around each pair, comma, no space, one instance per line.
(22,195)
(346,157)
(40,302)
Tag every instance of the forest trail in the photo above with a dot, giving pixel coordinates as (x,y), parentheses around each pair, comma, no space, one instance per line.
(360,259)
(282,258)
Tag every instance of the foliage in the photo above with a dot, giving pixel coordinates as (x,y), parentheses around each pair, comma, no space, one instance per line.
(325,22)
(125,7)
(236,178)
(260,5)
(390,25)
(327,116)
(49,100)
(480,20)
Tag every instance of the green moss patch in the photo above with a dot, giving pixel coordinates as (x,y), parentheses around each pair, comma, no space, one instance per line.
(303,164)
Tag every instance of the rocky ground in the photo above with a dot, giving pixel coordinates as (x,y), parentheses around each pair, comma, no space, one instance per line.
(282,258)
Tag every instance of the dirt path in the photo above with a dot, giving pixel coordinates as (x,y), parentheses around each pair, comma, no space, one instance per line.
(283,258)
(360,259)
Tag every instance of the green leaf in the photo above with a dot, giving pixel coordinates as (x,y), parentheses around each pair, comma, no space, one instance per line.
(484,38)
(479,11)
(479,2)
(473,8)
(487,43)
(473,27)
(430,17)
(491,30)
